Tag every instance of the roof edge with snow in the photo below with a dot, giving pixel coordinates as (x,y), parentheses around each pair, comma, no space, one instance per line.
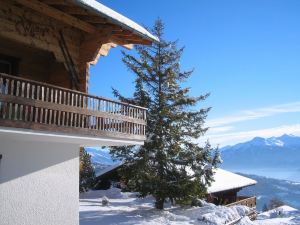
(116,18)
(225,181)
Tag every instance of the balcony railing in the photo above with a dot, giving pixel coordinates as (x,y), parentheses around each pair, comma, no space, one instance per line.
(244,200)
(39,106)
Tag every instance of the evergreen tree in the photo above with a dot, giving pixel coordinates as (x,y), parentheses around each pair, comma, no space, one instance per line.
(87,172)
(275,203)
(171,164)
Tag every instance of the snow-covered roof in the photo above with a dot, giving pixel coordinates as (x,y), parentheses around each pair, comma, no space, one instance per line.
(108,169)
(225,180)
(117,18)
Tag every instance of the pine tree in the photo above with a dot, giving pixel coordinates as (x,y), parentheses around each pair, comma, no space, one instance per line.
(171,164)
(87,172)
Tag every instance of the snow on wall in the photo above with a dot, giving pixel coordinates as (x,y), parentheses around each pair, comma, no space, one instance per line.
(225,180)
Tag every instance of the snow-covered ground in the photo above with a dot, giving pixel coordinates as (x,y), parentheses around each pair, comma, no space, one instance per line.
(280,216)
(126,208)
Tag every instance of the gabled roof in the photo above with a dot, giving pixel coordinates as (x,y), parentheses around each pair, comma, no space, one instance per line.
(225,180)
(116,18)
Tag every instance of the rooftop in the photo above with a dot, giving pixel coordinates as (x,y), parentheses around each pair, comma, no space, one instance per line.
(225,180)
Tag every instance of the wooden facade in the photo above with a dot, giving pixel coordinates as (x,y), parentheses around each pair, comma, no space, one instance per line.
(244,200)
(49,46)
(231,198)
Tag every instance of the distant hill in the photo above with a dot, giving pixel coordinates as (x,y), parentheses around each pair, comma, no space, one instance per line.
(260,152)
(268,188)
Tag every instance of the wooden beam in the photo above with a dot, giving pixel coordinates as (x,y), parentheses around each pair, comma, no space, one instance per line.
(122,43)
(57,14)
(127,41)
(120,32)
(109,26)
(105,48)
(90,47)
(92,19)
(56,2)
(129,46)
(74,10)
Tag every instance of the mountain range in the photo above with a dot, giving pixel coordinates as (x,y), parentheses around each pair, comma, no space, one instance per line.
(283,151)
(101,158)
(268,158)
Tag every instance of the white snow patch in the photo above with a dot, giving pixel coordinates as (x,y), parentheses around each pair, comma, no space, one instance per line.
(283,215)
(273,141)
(126,208)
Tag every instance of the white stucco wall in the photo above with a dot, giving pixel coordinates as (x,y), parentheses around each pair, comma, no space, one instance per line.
(38,182)
(39,176)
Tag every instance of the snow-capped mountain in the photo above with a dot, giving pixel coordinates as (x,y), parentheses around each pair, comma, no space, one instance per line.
(100,156)
(283,151)
(101,159)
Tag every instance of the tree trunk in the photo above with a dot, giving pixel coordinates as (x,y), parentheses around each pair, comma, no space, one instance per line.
(159,203)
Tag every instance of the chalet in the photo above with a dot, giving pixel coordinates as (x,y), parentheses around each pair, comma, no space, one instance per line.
(46,113)
(224,190)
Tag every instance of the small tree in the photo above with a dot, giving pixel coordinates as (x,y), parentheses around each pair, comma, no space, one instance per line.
(171,164)
(87,172)
(273,203)
(265,208)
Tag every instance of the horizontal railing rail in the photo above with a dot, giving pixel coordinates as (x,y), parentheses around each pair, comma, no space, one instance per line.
(246,201)
(35,105)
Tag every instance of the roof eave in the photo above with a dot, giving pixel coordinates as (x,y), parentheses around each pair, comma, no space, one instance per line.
(104,11)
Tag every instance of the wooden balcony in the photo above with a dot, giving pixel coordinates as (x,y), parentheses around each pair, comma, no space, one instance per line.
(39,106)
(244,200)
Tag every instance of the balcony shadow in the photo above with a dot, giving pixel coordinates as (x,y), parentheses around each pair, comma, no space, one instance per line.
(21,158)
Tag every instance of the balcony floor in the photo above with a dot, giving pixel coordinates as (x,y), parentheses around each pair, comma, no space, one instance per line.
(81,140)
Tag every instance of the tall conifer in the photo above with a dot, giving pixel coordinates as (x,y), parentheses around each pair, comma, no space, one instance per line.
(171,164)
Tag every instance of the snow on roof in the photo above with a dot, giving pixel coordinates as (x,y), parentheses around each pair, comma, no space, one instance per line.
(115,17)
(225,180)
(108,169)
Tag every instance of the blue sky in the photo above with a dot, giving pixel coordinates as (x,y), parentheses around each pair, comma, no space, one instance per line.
(245,53)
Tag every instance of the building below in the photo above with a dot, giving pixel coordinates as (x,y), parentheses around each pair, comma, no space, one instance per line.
(224,190)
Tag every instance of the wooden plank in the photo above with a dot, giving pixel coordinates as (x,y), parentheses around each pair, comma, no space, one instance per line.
(74,10)
(92,19)
(56,2)
(57,14)
(69,130)
(37,30)
(66,108)
(128,44)
(44,85)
